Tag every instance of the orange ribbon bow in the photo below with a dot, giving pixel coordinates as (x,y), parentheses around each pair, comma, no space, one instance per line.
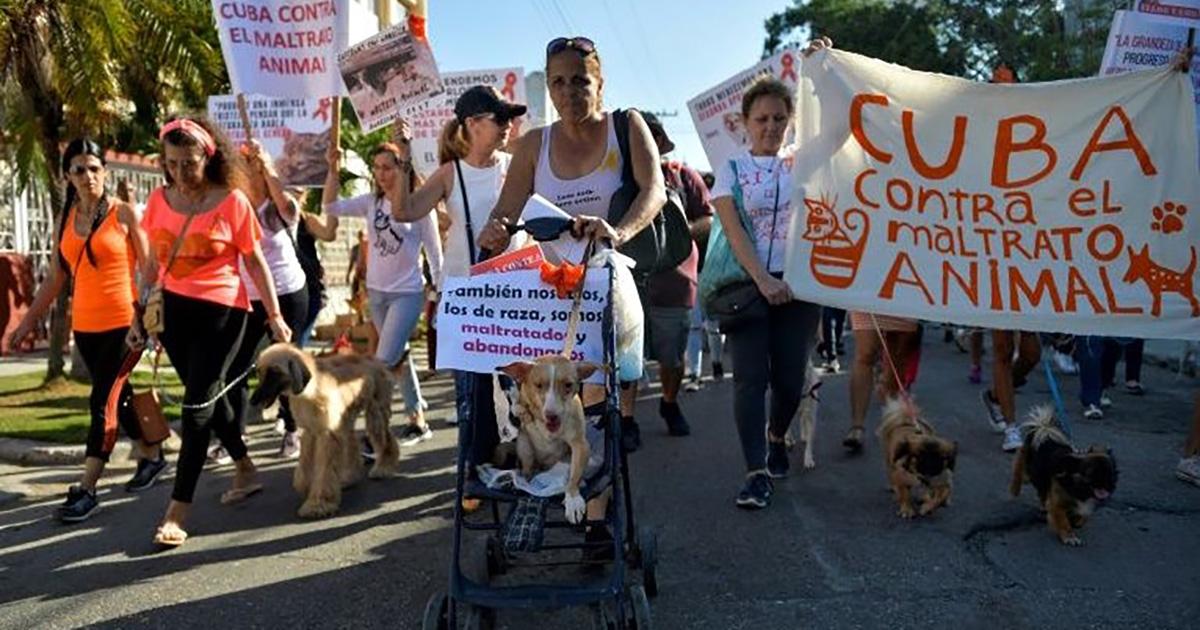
(565,278)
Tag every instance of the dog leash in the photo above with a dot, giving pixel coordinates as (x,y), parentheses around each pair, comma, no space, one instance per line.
(156,384)
(887,353)
(577,302)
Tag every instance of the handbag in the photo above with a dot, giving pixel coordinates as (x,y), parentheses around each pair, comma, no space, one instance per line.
(667,241)
(152,311)
(726,290)
(148,408)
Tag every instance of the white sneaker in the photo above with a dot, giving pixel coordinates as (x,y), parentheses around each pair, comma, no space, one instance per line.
(218,456)
(1065,363)
(995,418)
(1092,412)
(1012,439)
(1188,469)
(413,434)
(280,427)
(290,447)
(1105,401)
(692,384)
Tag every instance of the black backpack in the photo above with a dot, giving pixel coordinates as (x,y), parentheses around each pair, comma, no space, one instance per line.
(667,241)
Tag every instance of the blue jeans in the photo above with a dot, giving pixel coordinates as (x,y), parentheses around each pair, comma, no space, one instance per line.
(395,316)
(701,330)
(1096,357)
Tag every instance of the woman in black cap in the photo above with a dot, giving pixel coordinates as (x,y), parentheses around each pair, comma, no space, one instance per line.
(468,181)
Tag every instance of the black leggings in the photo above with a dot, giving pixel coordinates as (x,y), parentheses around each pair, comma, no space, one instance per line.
(294,308)
(103,353)
(201,338)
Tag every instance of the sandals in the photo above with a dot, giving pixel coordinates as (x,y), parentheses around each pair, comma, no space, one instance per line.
(169,536)
(854,439)
(237,495)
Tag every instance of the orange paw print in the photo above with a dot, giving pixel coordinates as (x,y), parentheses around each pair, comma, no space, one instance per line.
(1168,218)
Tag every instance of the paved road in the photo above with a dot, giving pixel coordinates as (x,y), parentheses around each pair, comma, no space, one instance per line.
(828,553)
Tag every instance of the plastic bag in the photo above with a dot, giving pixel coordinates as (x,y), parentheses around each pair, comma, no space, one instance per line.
(628,319)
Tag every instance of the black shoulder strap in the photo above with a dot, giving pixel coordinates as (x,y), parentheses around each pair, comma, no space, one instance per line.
(462,186)
(620,121)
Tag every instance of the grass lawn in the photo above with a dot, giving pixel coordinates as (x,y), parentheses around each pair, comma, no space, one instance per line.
(59,412)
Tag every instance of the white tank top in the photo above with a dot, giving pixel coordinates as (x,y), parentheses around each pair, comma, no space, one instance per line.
(280,253)
(587,195)
(483,189)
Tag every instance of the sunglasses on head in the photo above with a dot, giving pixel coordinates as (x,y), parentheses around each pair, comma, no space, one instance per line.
(581,44)
(542,228)
(79,169)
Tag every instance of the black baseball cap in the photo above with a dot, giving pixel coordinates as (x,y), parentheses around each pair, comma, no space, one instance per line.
(657,131)
(484,99)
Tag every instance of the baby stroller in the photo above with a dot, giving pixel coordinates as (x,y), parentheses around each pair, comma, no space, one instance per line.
(499,546)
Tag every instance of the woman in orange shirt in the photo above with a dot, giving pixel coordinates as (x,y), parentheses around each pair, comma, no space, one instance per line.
(99,242)
(205,303)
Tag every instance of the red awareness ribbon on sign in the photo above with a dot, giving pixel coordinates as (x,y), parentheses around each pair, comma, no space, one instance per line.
(510,82)
(323,109)
(416,26)
(565,278)
(789,70)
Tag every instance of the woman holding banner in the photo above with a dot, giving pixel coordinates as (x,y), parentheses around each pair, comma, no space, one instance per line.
(278,215)
(468,181)
(99,242)
(395,286)
(201,228)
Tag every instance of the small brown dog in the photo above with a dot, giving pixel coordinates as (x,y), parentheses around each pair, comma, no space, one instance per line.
(550,410)
(916,458)
(1069,484)
(325,396)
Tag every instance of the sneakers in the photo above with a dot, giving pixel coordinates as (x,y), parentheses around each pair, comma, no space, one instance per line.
(1105,401)
(413,435)
(691,383)
(1093,412)
(718,371)
(148,471)
(290,447)
(1188,470)
(368,451)
(677,425)
(831,366)
(1065,363)
(975,376)
(777,459)
(79,506)
(218,456)
(1134,388)
(756,494)
(1012,439)
(631,435)
(995,414)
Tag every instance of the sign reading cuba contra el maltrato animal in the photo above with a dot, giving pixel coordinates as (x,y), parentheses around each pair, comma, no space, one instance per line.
(488,321)
(283,48)
(1068,206)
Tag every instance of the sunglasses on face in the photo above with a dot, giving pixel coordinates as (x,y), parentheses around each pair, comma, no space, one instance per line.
(581,44)
(80,169)
(542,228)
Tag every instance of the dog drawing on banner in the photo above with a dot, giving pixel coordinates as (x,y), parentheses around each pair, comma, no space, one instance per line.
(1160,280)
(326,395)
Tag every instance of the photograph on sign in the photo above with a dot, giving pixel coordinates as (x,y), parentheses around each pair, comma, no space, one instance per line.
(389,75)
(294,132)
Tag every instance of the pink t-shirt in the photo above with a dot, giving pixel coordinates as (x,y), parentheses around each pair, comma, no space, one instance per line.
(206,267)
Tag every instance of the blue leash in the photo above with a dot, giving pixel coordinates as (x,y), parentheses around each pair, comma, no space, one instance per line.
(1058,402)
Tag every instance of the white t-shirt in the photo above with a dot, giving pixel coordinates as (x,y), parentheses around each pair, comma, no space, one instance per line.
(278,249)
(483,189)
(765,184)
(394,257)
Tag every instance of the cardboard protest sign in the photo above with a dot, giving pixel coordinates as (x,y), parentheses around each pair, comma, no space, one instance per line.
(285,48)
(294,132)
(389,75)
(427,123)
(1184,12)
(717,113)
(1138,42)
(1065,206)
(494,319)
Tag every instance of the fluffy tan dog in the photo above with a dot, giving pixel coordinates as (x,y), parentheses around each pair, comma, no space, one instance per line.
(326,395)
(916,458)
(552,422)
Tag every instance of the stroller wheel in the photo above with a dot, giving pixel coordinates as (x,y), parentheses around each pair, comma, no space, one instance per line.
(641,608)
(648,561)
(437,613)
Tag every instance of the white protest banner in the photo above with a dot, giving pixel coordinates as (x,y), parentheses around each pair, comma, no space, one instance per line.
(285,48)
(1185,12)
(427,123)
(1065,206)
(293,131)
(1137,42)
(491,320)
(388,76)
(717,113)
